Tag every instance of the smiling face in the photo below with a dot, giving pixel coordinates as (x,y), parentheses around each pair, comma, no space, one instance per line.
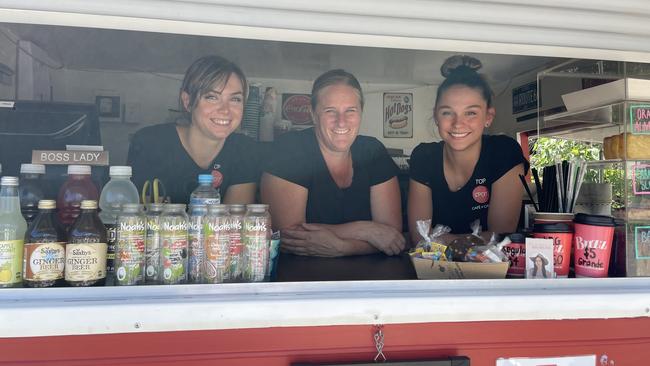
(461,115)
(218,112)
(337,117)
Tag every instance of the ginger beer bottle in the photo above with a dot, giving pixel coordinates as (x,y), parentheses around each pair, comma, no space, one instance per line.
(85,254)
(44,259)
(12,234)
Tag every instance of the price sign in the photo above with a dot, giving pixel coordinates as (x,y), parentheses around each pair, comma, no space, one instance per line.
(549,361)
(642,242)
(641,179)
(640,119)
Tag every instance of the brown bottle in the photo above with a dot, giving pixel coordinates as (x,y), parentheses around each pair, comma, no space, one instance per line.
(85,263)
(44,256)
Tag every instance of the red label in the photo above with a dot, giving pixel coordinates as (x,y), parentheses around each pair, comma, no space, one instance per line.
(481,194)
(217,179)
(297,109)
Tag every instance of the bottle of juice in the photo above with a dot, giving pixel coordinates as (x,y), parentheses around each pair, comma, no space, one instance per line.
(152,243)
(12,234)
(44,256)
(118,191)
(236,259)
(85,253)
(76,188)
(205,194)
(217,244)
(31,189)
(130,249)
(257,242)
(173,249)
(196,232)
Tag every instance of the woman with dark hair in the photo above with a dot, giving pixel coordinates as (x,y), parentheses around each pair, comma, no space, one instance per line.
(468,175)
(332,192)
(212,97)
(539,267)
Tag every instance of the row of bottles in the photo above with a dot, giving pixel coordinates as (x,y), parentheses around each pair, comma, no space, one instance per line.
(44,255)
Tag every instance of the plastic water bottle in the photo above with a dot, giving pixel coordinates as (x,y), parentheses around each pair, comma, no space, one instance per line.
(118,191)
(31,190)
(205,194)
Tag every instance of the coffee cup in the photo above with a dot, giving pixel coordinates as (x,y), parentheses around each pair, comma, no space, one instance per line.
(592,244)
(516,252)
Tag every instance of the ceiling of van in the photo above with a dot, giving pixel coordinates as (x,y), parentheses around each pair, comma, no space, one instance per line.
(89,48)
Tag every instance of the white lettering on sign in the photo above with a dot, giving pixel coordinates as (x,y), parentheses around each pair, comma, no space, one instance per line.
(70,157)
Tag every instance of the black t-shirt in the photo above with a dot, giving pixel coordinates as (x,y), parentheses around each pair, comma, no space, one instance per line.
(459,209)
(298,159)
(157,152)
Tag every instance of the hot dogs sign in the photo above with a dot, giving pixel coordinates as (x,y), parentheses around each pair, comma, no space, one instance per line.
(398,115)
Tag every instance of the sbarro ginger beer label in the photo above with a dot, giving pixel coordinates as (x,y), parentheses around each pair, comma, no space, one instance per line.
(44,261)
(85,261)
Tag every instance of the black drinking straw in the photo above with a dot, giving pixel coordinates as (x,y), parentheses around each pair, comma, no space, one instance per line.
(538,187)
(530,195)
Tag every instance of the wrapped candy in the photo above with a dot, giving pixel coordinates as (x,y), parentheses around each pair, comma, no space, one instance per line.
(458,247)
(489,253)
(431,246)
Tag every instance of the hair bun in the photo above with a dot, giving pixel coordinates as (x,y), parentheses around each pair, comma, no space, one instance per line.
(459,63)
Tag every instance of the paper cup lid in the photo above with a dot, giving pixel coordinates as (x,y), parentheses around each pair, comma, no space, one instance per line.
(557,227)
(596,220)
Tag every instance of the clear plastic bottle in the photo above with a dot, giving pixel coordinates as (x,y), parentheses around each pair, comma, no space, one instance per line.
(12,234)
(173,249)
(44,256)
(205,194)
(76,188)
(85,253)
(217,244)
(257,241)
(152,243)
(196,233)
(130,247)
(119,190)
(31,190)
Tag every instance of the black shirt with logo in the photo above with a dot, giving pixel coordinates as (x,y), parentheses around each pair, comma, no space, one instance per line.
(157,152)
(298,159)
(459,209)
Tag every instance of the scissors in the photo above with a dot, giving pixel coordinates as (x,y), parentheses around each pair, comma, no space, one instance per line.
(153,191)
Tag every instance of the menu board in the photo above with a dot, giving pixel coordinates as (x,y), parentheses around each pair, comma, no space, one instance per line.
(642,242)
(641,179)
(640,119)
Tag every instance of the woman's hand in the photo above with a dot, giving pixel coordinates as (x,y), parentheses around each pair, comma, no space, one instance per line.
(384,237)
(312,240)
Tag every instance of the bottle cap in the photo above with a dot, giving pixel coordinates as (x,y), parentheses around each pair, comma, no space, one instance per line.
(205,178)
(174,207)
(155,207)
(88,204)
(237,208)
(120,170)
(46,204)
(79,169)
(9,181)
(32,168)
(257,207)
(131,207)
(220,207)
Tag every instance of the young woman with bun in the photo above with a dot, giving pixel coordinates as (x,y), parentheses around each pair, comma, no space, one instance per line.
(468,175)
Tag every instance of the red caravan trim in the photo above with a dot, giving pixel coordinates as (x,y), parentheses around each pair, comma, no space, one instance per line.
(626,341)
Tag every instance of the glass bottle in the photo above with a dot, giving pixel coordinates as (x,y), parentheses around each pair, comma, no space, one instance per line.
(12,234)
(85,253)
(173,249)
(31,190)
(152,243)
(130,247)
(235,266)
(217,243)
(76,188)
(196,243)
(44,256)
(205,193)
(257,240)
